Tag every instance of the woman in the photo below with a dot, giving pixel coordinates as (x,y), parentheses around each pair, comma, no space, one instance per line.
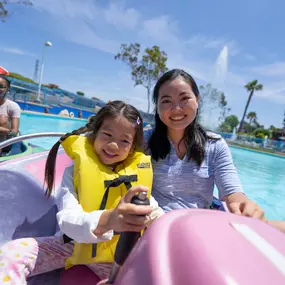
(9,113)
(187,161)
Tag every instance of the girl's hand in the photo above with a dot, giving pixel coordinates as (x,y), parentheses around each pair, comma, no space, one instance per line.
(126,216)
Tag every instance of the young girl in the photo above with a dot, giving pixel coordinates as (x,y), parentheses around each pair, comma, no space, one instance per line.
(107,171)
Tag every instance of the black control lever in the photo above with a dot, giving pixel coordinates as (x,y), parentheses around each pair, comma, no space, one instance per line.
(127,240)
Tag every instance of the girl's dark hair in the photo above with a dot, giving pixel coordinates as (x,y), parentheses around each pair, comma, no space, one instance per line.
(195,136)
(110,110)
(6,79)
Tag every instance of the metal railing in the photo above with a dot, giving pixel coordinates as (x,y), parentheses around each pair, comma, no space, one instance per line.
(274,145)
(29,136)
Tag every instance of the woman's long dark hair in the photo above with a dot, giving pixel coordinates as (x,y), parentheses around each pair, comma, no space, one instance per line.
(111,110)
(195,137)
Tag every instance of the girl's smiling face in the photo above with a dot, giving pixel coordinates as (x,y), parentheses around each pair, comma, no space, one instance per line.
(114,140)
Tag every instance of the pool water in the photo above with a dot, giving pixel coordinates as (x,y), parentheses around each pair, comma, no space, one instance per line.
(33,123)
(37,123)
(262,176)
(55,110)
(263,180)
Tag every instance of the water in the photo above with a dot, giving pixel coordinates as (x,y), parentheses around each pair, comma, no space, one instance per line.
(31,123)
(234,135)
(208,107)
(210,94)
(222,67)
(263,179)
(37,123)
(262,176)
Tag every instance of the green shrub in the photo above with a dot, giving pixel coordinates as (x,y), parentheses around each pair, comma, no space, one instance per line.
(260,135)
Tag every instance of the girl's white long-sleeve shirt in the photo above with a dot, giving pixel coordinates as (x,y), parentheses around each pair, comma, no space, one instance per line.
(78,224)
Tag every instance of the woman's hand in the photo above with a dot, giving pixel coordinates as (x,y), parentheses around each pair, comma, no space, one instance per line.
(247,208)
(126,216)
(279,225)
(240,205)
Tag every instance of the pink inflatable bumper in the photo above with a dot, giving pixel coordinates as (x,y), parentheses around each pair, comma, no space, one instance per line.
(206,247)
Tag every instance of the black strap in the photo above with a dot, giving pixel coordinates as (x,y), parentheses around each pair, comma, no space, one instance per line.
(124,179)
(66,239)
(120,180)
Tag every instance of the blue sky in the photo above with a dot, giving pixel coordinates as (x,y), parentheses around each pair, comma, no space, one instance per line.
(87,34)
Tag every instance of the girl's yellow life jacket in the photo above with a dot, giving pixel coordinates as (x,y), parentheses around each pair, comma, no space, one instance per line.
(99,188)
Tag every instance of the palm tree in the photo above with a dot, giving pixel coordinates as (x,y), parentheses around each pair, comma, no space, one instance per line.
(250,87)
(272,128)
(251,116)
(284,124)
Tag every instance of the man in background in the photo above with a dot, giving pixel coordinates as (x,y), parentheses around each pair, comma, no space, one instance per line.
(9,114)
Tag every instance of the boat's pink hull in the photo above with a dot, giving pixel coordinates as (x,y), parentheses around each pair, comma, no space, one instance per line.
(202,247)
(207,247)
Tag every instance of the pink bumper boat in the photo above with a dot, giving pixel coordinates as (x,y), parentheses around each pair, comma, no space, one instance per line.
(199,247)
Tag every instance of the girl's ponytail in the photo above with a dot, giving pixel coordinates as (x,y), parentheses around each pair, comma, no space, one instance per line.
(51,159)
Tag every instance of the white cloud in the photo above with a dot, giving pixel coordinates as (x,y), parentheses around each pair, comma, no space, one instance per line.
(276,69)
(272,78)
(17,51)
(67,8)
(161,28)
(204,41)
(86,23)
(273,91)
(85,33)
(119,16)
(114,14)
(249,57)
(210,42)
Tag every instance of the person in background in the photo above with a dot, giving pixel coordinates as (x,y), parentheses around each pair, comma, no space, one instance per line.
(9,114)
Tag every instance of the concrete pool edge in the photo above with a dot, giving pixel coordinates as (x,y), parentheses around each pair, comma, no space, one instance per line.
(52,116)
(257,151)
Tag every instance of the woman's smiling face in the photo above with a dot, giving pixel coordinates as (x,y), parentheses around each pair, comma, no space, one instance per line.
(177,104)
